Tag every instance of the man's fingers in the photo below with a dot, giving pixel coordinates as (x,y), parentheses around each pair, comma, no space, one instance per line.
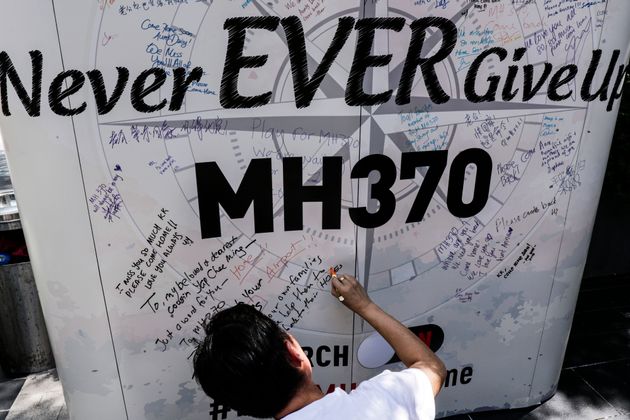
(338,284)
(342,286)
(347,279)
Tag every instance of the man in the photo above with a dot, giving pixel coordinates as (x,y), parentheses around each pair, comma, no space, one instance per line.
(249,363)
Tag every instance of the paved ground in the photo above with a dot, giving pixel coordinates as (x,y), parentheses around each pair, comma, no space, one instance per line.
(36,397)
(594,385)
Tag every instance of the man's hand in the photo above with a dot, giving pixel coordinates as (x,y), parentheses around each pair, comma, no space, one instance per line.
(354,295)
(411,350)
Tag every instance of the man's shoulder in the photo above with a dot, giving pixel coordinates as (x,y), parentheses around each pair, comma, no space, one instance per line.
(409,390)
(410,376)
(327,405)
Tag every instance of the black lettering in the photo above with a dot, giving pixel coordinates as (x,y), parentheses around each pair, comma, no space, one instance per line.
(214,190)
(235,61)
(427,65)
(483,163)
(509,92)
(618,88)
(557,81)
(602,92)
(380,191)
(340,355)
(103,105)
(466,376)
(296,194)
(303,87)
(319,356)
(471,77)
(56,93)
(363,59)
(180,85)
(530,91)
(32,105)
(451,378)
(308,351)
(139,91)
(436,161)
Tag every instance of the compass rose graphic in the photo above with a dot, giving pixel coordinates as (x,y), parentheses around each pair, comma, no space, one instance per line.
(392,254)
(415,271)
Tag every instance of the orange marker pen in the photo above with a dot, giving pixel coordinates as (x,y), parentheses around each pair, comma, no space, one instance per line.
(333,274)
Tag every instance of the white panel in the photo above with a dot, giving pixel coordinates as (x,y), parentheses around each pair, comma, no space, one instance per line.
(111,203)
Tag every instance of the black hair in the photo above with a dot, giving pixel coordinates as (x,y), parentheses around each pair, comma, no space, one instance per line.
(244,363)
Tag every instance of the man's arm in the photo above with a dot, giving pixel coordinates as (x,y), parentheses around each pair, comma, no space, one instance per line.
(409,348)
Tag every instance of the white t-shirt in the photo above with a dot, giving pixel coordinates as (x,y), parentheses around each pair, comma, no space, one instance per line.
(404,395)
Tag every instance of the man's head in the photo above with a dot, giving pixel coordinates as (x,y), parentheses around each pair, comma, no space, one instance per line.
(249,363)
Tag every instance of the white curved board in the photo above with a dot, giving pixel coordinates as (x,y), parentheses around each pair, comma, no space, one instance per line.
(120,206)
